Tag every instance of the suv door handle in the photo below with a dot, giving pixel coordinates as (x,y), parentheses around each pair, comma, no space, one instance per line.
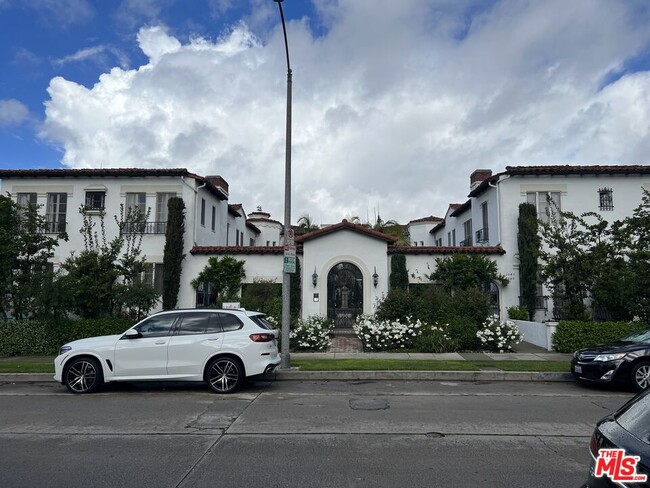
(160,342)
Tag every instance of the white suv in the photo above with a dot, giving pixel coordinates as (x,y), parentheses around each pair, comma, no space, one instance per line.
(220,347)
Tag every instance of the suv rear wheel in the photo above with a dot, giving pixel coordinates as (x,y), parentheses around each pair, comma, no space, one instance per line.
(224,375)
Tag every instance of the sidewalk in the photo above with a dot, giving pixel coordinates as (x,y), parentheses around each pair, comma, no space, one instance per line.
(522,352)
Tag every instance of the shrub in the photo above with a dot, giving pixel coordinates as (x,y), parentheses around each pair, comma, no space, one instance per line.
(36,337)
(498,336)
(311,334)
(383,335)
(434,338)
(399,303)
(572,335)
(518,313)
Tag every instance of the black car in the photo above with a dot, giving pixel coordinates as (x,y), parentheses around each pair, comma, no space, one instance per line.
(627,360)
(628,429)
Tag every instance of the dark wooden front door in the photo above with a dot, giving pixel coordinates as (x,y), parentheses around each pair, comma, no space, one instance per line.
(344,294)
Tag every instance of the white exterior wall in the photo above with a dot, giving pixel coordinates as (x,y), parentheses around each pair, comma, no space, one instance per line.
(324,252)
(419,233)
(269,232)
(261,266)
(116,189)
(579,194)
(205,236)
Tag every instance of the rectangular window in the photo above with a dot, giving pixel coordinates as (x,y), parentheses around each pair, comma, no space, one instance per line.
(237,237)
(453,237)
(448,238)
(467,231)
(483,234)
(26,199)
(546,203)
(606,199)
(158,277)
(162,212)
(203,211)
(55,215)
(95,200)
(136,202)
(214,218)
(252,242)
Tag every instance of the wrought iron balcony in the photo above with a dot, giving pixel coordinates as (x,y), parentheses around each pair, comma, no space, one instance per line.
(466,242)
(482,235)
(143,227)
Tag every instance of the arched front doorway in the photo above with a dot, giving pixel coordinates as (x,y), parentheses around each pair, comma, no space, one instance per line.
(344,294)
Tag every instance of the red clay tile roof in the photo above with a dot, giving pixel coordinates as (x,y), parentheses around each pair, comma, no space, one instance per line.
(566,169)
(437,227)
(239,250)
(110,172)
(344,224)
(430,218)
(234,208)
(460,208)
(446,250)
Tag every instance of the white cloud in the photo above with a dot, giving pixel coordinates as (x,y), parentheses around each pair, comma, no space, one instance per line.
(12,113)
(393,107)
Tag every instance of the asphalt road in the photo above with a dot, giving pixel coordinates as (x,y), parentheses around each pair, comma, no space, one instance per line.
(302,434)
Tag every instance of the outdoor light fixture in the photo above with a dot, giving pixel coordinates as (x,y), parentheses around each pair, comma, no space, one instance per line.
(375,278)
(314,277)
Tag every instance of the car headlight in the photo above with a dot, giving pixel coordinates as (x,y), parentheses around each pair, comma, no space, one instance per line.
(610,357)
(64,349)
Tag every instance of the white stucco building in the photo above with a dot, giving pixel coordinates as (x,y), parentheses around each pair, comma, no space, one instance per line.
(345,267)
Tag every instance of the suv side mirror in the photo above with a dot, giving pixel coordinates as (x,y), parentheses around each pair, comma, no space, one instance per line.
(131,334)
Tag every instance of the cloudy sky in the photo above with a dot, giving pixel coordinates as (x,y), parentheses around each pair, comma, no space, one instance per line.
(395,103)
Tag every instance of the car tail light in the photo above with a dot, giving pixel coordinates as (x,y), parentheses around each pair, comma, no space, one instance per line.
(262,337)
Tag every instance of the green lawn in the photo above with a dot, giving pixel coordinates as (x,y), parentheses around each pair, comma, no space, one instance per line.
(23,365)
(45,365)
(426,365)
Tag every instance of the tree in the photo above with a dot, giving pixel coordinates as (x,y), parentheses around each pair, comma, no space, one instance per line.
(295,293)
(632,237)
(25,248)
(306,225)
(225,275)
(173,253)
(465,271)
(529,248)
(399,277)
(104,279)
(392,228)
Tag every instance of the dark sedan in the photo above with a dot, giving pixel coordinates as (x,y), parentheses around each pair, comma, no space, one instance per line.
(620,446)
(627,360)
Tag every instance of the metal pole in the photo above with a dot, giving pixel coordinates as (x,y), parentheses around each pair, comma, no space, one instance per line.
(286,277)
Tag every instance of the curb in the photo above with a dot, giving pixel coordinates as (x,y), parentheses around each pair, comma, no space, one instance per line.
(295,375)
(422,376)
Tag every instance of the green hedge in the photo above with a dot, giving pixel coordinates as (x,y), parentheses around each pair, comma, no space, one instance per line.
(36,337)
(571,335)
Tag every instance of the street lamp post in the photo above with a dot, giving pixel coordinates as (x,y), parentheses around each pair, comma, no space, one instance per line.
(288,241)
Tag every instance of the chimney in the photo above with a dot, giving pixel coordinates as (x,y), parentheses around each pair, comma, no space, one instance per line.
(218,182)
(478,177)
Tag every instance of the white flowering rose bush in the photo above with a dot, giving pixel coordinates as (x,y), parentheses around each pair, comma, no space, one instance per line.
(383,335)
(496,335)
(311,334)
